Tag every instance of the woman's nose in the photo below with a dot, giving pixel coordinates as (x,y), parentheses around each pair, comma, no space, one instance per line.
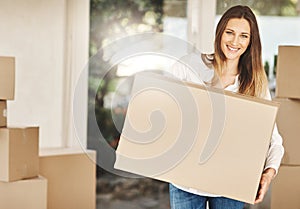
(235,40)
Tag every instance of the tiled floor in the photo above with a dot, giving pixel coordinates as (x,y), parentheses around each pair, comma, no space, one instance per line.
(114,192)
(146,203)
(120,193)
(139,203)
(106,202)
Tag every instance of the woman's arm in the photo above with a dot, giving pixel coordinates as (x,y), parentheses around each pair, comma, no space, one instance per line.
(265,182)
(276,149)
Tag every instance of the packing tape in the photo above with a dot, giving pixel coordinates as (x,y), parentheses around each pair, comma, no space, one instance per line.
(4,113)
(24,138)
(25,170)
(24,141)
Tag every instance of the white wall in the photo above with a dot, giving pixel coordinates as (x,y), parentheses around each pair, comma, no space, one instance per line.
(200,25)
(277,31)
(76,60)
(36,33)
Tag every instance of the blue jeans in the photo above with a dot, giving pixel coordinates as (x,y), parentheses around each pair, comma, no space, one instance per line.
(180,199)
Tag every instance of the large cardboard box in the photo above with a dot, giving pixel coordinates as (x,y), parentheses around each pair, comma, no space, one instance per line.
(288,122)
(19,149)
(7,78)
(285,191)
(3,113)
(25,194)
(203,139)
(71,175)
(288,72)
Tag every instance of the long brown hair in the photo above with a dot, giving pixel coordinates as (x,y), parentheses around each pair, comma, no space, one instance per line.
(252,76)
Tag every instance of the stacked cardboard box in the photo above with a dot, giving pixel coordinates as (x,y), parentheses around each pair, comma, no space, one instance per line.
(30,178)
(71,175)
(7,78)
(20,185)
(28,194)
(285,189)
(7,83)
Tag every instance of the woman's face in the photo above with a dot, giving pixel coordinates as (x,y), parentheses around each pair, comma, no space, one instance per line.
(235,38)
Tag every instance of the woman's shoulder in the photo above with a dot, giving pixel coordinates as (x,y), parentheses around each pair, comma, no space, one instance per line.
(197,61)
(194,67)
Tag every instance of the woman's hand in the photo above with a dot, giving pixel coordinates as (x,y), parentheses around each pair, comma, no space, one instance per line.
(264,184)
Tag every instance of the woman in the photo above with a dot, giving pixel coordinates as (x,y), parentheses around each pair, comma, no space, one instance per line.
(237,66)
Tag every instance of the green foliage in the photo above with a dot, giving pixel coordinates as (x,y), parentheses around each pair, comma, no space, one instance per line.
(267,68)
(262,7)
(106,124)
(275,64)
(110,20)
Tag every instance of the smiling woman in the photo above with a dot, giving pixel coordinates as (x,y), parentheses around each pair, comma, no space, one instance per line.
(248,63)
(237,66)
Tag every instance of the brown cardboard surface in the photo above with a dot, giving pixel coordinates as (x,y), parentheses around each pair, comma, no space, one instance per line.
(233,165)
(7,78)
(3,112)
(25,194)
(285,191)
(71,175)
(19,153)
(288,122)
(288,72)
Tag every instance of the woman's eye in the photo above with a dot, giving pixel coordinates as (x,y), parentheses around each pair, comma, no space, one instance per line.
(228,32)
(244,36)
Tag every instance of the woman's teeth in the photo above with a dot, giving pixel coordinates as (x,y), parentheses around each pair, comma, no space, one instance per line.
(232,49)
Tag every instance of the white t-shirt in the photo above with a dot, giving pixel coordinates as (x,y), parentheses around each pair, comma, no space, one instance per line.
(193,69)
